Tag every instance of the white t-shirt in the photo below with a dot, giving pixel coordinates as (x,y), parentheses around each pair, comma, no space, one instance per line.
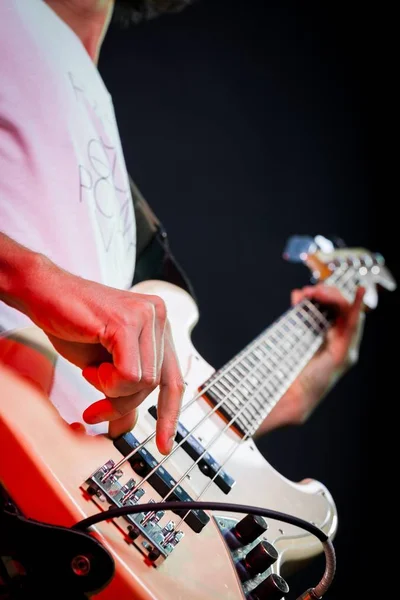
(64,188)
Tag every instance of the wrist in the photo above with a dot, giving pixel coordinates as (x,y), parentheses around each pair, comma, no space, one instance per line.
(25,285)
(319,376)
(25,276)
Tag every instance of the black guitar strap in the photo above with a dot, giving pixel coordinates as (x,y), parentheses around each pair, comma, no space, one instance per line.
(154,259)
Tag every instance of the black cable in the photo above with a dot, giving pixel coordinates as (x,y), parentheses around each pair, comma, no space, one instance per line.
(187,506)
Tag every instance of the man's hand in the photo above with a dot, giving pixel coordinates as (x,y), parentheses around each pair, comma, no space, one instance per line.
(122,342)
(334,358)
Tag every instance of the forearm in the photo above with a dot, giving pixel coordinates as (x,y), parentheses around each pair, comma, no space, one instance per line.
(19,269)
(304,395)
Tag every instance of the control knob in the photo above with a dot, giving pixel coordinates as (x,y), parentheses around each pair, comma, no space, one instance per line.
(246,531)
(258,560)
(274,587)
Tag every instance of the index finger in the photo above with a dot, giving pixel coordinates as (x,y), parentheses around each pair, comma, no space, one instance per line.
(172,388)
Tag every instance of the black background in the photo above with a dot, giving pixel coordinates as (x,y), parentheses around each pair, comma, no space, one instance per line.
(243,124)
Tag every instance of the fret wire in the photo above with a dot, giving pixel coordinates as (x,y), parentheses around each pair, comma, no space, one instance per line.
(295,348)
(285,385)
(232,393)
(317,314)
(314,346)
(260,363)
(310,311)
(271,405)
(284,353)
(278,390)
(315,329)
(221,384)
(243,414)
(281,365)
(291,338)
(230,375)
(312,315)
(294,325)
(244,398)
(306,338)
(352,284)
(275,399)
(307,355)
(261,340)
(249,399)
(244,373)
(343,271)
(287,338)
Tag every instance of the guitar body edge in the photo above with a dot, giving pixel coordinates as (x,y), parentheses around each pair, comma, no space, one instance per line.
(43,463)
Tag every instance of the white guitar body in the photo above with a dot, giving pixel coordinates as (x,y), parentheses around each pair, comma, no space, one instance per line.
(44,462)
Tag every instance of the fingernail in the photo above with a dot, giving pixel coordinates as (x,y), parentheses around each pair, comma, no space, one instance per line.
(98,412)
(93,419)
(77,427)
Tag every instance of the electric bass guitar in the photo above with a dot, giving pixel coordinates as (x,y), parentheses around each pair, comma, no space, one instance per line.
(53,475)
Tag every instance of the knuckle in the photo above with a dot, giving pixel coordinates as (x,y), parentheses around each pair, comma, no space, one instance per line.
(119,409)
(147,310)
(133,376)
(127,377)
(161,311)
(159,307)
(176,386)
(149,379)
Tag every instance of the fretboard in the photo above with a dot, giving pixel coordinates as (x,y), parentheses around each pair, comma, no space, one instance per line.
(249,386)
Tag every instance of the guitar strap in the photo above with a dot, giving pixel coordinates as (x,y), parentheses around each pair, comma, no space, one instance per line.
(154,259)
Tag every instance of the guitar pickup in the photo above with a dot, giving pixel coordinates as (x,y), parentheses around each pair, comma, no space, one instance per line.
(207,465)
(142,462)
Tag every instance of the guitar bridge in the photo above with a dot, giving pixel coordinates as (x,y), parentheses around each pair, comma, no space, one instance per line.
(142,462)
(154,540)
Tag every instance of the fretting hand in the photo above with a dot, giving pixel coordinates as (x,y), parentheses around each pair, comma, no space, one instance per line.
(338,353)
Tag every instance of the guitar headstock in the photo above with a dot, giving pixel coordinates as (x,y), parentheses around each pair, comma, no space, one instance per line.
(344,267)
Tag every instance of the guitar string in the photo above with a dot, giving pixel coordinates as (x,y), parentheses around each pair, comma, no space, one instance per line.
(234,448)
(223,401)
(206,417)
(219,433)
(228,367)
(223,371)
(215,378)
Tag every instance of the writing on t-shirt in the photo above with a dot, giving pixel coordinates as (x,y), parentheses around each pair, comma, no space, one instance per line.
(103,178)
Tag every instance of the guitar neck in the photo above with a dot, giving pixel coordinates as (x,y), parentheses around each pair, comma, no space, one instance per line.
(249,386)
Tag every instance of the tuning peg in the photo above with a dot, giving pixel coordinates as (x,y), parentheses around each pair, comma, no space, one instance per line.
(298,247)
(329,244)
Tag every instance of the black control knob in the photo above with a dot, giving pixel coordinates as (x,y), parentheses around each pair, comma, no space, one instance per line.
(249,529)
(260,558)
(272,588)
